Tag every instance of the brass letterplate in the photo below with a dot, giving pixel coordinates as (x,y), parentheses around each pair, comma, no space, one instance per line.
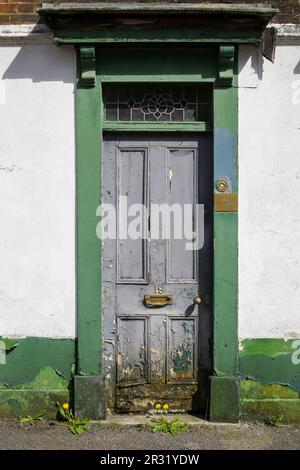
(226,202)
(158,300)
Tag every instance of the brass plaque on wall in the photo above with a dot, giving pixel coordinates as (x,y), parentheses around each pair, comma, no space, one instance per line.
(226,202)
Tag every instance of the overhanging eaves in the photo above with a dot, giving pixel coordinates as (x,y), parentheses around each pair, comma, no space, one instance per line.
(164,21)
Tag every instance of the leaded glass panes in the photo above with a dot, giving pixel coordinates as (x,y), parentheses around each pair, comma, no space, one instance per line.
(157,103)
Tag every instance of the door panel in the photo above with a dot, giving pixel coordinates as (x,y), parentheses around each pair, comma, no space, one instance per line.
(132,351)
(152,353)
(182,189)
(182,350)
(132,183)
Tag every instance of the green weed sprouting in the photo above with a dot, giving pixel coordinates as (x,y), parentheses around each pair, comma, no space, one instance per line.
(173,427)
(76,425)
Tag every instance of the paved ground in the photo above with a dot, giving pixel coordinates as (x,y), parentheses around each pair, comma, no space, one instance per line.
(130,433)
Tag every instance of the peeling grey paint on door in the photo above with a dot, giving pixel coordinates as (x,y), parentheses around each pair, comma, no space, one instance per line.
(152,354)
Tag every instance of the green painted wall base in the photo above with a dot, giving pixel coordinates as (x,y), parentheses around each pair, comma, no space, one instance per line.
(270,380)
(38,373)
(35,376)
(271,361)
(271,411)
(15,403)
(224,399)
(89,396)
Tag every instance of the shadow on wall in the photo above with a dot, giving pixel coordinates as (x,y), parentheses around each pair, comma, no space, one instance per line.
(43,62)
(297,69)
(253,55)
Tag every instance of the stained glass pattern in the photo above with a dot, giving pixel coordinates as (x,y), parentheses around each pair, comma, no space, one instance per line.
(156,103)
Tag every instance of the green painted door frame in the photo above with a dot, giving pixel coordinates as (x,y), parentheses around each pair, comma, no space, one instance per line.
(213,65)
(196,42)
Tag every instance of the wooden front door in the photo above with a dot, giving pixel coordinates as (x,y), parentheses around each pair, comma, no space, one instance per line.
(151,283)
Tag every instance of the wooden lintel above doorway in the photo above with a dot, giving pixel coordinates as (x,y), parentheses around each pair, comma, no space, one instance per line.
(165,21)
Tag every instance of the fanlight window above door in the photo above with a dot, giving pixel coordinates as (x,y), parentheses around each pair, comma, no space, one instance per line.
(156,103)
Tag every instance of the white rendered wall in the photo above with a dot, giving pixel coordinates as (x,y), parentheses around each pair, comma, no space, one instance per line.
(37,191)
(269,188)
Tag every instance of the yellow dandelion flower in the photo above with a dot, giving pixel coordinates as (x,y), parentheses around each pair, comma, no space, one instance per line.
(66,406)
(158,406)
(166,406)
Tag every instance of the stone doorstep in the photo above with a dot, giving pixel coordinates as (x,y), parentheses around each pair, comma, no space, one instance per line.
(145,421)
